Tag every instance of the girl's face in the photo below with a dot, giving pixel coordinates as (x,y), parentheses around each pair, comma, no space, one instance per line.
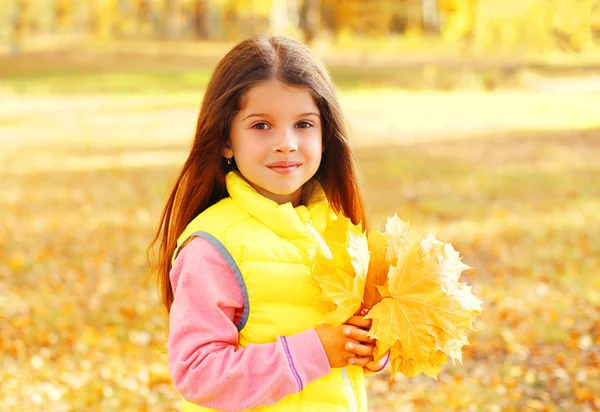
(276,140)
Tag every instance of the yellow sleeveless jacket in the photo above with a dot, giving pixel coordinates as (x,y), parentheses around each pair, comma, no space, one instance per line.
(269,248)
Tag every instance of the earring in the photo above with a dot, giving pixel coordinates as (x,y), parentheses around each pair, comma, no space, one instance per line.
(229,160)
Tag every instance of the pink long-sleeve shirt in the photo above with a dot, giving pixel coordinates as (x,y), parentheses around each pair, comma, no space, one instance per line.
(206,364)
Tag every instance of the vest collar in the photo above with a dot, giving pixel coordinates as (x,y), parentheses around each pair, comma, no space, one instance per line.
(285,220)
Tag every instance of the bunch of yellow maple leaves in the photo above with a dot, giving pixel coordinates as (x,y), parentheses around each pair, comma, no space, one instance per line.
(420,309)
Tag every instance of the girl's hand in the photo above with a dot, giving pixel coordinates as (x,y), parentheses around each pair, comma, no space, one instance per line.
(365,324)
(360,322)
(347,344)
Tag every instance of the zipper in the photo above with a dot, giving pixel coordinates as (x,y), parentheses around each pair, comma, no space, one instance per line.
(350,390)
(320,242)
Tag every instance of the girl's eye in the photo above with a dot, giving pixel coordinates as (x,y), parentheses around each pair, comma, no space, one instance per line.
(260,126)
(303,125)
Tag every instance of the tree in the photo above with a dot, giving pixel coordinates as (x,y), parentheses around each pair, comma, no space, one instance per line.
(170,18)
(201,19)
(309,19)
(21,24)
(63,11)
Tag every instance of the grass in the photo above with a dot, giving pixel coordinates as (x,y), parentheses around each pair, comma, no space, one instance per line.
(150,67)
(509,177)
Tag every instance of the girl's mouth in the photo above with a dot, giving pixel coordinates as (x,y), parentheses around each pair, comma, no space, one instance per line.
(284,168)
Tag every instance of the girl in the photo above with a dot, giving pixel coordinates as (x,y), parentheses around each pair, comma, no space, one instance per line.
(270,166)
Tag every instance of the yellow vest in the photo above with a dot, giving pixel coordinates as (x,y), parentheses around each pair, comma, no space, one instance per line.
(269,248)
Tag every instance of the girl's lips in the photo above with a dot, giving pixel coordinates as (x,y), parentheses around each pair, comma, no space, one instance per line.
(284,168)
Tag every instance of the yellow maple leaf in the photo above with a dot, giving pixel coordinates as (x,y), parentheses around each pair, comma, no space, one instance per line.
(425,311)
(342,273)
(420,310)
(378,268)
(399,316)
(411,368)
(401,235)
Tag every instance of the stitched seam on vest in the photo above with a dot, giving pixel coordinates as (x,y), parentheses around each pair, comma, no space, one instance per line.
(286,349)
(231,224)
(352,394)
(234,268)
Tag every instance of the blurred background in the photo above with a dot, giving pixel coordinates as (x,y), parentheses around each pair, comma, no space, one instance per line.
(476,119)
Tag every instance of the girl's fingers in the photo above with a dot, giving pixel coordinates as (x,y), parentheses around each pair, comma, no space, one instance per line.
(360,335)
(359,349)
(360,361)
(359,322)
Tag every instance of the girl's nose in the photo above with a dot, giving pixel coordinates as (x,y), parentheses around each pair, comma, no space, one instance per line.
(286,142)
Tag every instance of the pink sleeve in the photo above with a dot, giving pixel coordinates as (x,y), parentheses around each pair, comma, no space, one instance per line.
(206,364)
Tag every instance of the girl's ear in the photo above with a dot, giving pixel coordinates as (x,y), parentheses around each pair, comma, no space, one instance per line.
(227,150)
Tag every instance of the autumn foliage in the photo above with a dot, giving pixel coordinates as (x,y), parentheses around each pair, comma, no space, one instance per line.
(420,310)
(88,154)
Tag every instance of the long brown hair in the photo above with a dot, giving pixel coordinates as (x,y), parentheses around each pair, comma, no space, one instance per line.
(201,182)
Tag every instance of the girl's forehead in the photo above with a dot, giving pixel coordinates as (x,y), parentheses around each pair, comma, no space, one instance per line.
(277,96)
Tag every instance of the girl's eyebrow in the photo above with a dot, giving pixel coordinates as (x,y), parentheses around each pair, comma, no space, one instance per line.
(255,115)
(267,115)
(309,114)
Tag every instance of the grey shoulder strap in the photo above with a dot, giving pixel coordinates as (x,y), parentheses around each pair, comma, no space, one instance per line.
(232,265)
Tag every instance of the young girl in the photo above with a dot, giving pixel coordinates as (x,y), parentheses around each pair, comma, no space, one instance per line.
(270,166)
